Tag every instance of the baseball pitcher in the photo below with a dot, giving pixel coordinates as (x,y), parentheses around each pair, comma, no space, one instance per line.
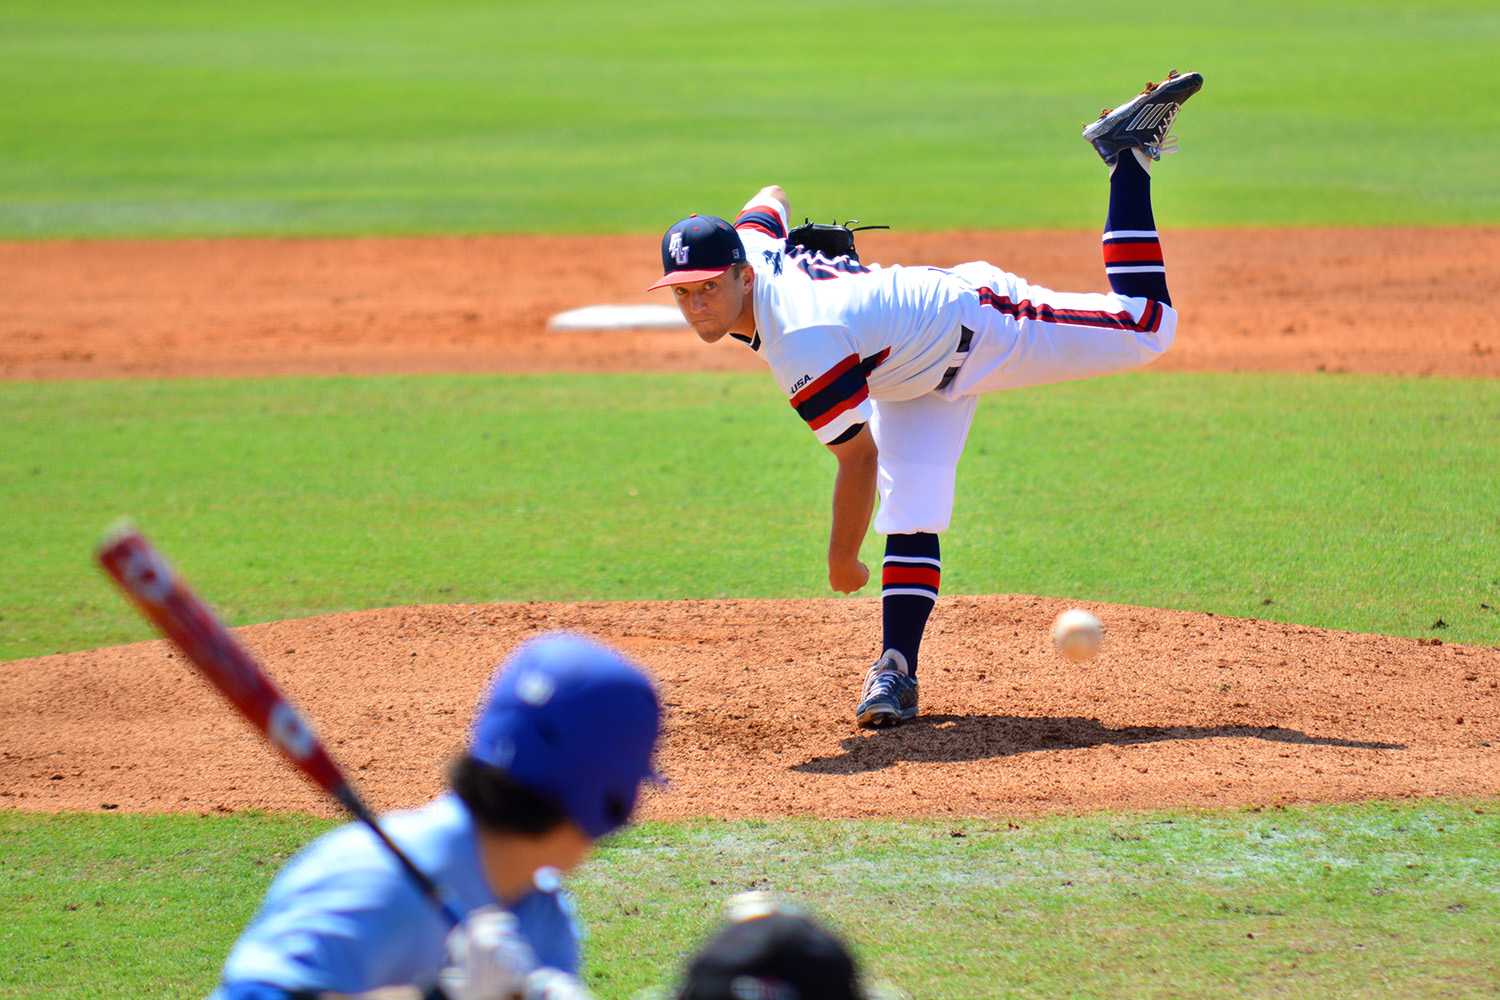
(887,364)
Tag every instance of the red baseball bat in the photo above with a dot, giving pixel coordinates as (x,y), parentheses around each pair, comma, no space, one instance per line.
(192,626)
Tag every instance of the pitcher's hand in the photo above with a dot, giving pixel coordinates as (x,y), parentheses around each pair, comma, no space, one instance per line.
(847,576)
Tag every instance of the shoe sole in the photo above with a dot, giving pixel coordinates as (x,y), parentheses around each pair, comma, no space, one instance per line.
(1129,108)
(880,716)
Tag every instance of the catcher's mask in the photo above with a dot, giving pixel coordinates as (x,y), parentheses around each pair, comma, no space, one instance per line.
(771,951)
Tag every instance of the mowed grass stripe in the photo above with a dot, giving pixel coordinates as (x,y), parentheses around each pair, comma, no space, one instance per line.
(1348,502)
(167,118)
(1370,900)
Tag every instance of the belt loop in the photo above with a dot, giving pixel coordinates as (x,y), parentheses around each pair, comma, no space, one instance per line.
(965,341)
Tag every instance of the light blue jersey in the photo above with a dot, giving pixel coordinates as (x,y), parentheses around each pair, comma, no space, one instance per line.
(343,917)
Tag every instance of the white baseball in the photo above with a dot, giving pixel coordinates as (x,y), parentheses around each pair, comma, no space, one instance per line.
(1077,634)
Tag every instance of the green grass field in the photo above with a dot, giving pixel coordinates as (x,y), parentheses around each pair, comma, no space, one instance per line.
(1360,503)
(276,117)
(1372,901)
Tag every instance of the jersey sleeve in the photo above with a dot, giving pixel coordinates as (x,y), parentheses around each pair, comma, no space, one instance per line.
(328,925)
(762,223)
(823,375)
(549,922)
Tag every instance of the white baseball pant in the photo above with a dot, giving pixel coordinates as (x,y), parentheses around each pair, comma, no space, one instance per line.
(1023,335)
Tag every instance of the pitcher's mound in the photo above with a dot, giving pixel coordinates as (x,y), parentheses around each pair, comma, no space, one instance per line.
(1179,709)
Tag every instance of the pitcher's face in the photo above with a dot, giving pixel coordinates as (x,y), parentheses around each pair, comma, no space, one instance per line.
(713,306)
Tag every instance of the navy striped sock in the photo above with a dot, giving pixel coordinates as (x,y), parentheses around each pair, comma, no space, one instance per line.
(1132,252)
(908,589)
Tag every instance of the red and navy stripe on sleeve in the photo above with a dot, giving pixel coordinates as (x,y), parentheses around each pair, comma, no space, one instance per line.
(836,391)
(762,218)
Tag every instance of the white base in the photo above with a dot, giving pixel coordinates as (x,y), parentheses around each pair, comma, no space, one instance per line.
(640,317)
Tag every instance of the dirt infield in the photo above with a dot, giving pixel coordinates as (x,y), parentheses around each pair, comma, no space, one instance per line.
(1408,301)
(1180,709)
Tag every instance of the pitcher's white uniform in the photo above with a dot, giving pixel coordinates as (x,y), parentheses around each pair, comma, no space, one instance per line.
(851,343)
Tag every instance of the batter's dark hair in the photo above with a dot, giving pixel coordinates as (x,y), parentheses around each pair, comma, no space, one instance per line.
(499,803)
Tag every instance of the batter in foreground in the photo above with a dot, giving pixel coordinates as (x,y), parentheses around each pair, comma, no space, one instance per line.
(887,364)
(560,746)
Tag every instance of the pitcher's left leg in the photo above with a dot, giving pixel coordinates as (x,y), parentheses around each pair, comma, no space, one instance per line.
(1029,335)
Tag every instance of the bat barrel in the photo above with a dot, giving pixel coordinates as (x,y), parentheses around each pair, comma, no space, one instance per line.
(164,598)
(180,615)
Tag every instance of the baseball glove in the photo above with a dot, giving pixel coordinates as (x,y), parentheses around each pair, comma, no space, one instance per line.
(832,241)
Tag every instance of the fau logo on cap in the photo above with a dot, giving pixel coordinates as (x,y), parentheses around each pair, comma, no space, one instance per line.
(676,248)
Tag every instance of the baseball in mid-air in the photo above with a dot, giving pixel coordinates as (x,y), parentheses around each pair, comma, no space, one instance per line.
(1077,634)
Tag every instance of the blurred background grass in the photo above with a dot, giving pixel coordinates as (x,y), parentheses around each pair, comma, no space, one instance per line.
(167,118)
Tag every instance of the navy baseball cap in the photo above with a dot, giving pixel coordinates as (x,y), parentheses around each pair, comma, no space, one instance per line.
(697,248)
(573,720)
